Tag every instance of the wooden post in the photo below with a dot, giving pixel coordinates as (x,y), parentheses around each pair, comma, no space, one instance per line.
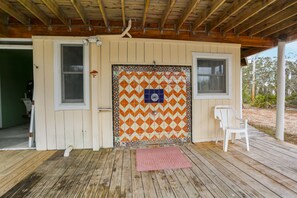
(94,96)
(281,84)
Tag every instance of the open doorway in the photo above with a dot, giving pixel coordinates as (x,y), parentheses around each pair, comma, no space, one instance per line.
(16,88)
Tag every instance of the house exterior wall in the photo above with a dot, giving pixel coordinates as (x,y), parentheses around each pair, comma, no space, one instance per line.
(92,128)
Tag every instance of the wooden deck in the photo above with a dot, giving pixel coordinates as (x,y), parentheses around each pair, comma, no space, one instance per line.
(268,170)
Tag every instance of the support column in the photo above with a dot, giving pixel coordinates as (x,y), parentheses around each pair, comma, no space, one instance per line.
(281,88)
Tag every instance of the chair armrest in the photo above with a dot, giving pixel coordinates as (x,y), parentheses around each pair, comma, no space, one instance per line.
(243,121)
(238,118)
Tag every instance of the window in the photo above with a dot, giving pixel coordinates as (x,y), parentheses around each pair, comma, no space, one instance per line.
(211,76)
(71,75)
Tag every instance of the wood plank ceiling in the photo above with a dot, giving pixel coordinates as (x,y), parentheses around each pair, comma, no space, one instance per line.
(255,24)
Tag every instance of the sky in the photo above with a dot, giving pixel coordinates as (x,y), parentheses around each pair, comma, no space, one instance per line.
(290,51)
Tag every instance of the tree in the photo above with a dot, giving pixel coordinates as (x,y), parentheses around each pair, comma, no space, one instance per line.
(266,81)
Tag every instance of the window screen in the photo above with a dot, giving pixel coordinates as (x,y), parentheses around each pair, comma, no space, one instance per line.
(72,73)
(211,75)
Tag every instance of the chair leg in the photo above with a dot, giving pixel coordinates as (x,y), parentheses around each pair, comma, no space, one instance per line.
(247,140)
(217,134)
(233,137)
(226,139)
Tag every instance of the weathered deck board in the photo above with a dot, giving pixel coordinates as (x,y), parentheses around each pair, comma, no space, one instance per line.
(137,186)
(229,172)
(218,173)
(116,178)
(90,190)
(210,185)
(66,180)
(165,187)
(85,177)
(268,170)
(75,177)
(57,172)
(104,184)
(275,187)
(278,148)
(175,184)
(186,184)
(278,177)
(197,183)
(243,176)
(267,161)
(47,165)
(126,187)
(18,172)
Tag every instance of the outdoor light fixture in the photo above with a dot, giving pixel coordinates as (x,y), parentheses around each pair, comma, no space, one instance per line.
(92,39)
(94,73)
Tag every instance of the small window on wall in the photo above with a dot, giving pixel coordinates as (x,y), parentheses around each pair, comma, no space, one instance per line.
(211,76)
(71,75)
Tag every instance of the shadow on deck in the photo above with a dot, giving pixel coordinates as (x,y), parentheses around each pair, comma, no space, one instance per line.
(268,170)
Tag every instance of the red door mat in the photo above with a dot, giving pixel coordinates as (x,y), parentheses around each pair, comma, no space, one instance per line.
(160,158)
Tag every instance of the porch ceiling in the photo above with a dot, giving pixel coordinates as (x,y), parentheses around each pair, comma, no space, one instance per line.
(255,24)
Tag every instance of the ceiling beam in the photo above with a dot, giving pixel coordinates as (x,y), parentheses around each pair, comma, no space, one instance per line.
(103,12)
(245,41)
(146,6)
(9,9)
(246,14)
(203,17)
(17,31)
(251,51)
(123,12)
(3,25)
(268,13)
(287,32)
(292,36)
(189,9)
(167,11)
(79,9)
(3,30)
(236,6)
(52,6)
(276,19)
(279,27)
(29,5)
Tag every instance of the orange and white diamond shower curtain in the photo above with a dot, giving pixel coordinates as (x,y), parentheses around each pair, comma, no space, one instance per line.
(138,121)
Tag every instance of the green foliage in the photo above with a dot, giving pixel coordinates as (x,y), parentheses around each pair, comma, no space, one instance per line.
(246,97)
(265,101)
(291,101)
(266,82)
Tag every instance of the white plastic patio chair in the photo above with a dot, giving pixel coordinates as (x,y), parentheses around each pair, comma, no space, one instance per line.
(227,118)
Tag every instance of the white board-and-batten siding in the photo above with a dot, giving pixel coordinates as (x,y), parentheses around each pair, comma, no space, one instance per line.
(94,129)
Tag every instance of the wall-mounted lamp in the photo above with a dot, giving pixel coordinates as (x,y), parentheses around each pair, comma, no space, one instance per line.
(92,39)
(94,73)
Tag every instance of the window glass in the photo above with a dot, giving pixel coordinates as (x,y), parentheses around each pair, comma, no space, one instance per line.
(72,73)
(211,75)
(73,88)
(72,58)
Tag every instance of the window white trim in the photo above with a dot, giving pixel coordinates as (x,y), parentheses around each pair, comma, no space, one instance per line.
(58,81)
(228,58)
